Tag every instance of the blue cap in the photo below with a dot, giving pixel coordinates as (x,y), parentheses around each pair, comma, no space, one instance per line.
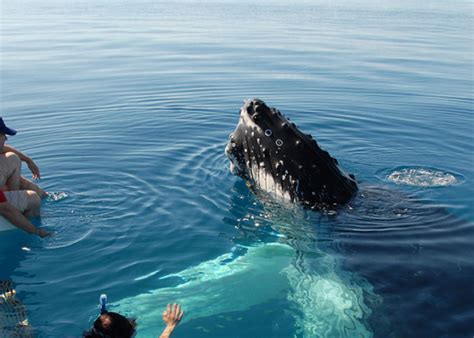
(5,130)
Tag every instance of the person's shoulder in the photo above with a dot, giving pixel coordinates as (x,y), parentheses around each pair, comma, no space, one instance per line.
(3,199)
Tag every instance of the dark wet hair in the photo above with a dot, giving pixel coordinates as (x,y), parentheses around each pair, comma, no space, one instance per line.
(119,327)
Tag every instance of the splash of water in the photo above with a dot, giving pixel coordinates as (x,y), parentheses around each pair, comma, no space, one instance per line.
(422,177)
(56,196)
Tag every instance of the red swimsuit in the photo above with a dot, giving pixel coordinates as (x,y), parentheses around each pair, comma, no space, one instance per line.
(2,197)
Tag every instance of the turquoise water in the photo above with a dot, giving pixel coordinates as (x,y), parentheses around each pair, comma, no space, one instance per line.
(127,106)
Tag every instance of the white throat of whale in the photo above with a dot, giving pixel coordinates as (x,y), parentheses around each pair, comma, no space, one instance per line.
(261,176)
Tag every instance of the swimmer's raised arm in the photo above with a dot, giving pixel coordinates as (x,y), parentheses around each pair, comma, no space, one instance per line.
(171,316)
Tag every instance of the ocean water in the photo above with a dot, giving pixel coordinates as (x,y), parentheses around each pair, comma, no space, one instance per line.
(126,107)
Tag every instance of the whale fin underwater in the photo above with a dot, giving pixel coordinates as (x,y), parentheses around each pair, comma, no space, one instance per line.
(329,303)
(215,287)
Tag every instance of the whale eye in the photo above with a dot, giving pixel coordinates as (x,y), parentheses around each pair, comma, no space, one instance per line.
(268,132)
(279,142)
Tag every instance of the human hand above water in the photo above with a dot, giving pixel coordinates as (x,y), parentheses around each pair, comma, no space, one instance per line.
(171,316)
(33,168)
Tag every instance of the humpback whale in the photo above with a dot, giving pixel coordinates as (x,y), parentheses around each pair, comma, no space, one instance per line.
(275,157)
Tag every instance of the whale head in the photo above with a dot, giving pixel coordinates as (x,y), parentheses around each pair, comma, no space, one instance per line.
(274,156)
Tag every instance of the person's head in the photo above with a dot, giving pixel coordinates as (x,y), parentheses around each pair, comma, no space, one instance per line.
(112,325)
(4,131)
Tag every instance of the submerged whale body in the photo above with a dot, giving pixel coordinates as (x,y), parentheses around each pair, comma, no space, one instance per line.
(274,156)
(331,301)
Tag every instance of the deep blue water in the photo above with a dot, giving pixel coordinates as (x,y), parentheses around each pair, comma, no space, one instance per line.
(127,105)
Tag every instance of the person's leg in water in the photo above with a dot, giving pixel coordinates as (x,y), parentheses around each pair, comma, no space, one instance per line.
(33,204)
(26,184)
(26,201)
